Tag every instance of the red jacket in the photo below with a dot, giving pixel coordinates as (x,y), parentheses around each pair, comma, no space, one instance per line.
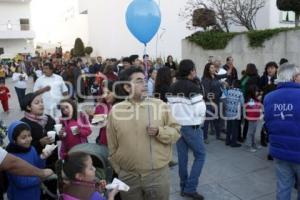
(253,110)
(84,130)
(103,109)
(4,93)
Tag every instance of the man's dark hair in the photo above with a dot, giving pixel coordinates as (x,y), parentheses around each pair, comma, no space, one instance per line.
(132,58)
(185,68)
(283,60)
(50,65)
(126,59)
(236,84)
(271,64)
(228,58)
(126,74)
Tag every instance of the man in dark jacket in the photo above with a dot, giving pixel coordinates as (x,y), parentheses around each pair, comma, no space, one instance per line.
(282,117)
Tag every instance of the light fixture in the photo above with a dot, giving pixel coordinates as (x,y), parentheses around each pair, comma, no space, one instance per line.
(9,26)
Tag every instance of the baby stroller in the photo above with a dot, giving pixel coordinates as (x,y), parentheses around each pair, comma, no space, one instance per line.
(99,156)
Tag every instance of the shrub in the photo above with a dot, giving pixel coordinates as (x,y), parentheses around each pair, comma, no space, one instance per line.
(211,40)
(88,50)
(78,48)
(218,40)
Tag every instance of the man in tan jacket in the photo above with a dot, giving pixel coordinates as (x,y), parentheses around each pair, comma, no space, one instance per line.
(140,133)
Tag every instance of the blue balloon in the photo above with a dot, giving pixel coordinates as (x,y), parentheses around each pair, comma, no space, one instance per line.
(143,19)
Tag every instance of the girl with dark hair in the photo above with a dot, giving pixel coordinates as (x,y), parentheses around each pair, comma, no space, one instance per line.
(103,107)
(75,129)
(267,85)
(213,92)
(170,63)
(162,83)
(80,175)
(250,78)
(109,73)
(253,114)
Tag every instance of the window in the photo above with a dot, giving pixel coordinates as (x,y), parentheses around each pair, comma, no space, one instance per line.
(24,23)
(287,16)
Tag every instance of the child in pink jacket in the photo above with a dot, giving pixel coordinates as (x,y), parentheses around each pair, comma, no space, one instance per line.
(75,130)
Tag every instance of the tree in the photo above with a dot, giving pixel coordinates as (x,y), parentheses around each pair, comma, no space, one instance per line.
(243,12)
(204,18)
(72,52)
(290,5)
(218,6)
(88,50)
(239,12)
(223,15)
(78,48)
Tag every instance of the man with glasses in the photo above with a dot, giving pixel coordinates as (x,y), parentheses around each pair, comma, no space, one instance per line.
(140,134)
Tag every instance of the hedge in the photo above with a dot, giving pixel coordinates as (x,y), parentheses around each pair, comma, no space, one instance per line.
(218,40)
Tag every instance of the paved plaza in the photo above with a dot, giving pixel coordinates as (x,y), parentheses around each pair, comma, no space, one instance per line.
(228,174)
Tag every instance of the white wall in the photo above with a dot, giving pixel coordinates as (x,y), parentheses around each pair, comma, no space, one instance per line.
(13,47)
(286,44)
(13,12)
(57,21)
(110,37)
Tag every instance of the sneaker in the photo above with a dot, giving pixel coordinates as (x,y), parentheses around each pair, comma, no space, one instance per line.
(206,141)
(172,163)
(220,138)
(270,157)
(258,147)
(252,150)
(236,145)
(194,195)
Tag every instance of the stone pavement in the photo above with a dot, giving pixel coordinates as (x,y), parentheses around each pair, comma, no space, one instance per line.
(228,174)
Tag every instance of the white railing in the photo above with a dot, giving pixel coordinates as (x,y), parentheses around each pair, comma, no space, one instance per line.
(14,27)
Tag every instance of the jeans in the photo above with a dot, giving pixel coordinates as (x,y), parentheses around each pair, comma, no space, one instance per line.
(252,126)
(286,172)
(210,120)
(191,138)
(21,94)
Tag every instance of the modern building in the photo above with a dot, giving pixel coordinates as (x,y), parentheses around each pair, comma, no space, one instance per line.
(102,25)
(58,23)
(110,37)
(16,34)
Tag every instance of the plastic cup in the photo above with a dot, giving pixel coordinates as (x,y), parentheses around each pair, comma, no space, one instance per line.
(74,130)
(57,127)
(51,134)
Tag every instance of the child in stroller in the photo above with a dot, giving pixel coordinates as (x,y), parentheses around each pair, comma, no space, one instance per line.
(77,176)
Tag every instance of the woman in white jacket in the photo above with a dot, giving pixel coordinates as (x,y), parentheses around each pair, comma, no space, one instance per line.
(20,79)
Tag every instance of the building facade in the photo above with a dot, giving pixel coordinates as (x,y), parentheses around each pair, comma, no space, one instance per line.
(104,27)
(16,34)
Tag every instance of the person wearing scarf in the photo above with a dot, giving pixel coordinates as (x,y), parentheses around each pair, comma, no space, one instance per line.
(23,187)
(40,124)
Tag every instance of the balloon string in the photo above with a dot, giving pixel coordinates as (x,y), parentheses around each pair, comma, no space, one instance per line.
(148,102)
(146,79)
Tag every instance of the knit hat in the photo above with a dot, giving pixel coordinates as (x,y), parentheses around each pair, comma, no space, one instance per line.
(15,129)
(26,101)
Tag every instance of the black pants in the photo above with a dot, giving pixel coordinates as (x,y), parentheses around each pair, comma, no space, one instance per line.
(21,94)
(232,131)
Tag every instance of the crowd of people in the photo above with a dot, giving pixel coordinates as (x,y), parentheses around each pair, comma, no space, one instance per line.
(146,108)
